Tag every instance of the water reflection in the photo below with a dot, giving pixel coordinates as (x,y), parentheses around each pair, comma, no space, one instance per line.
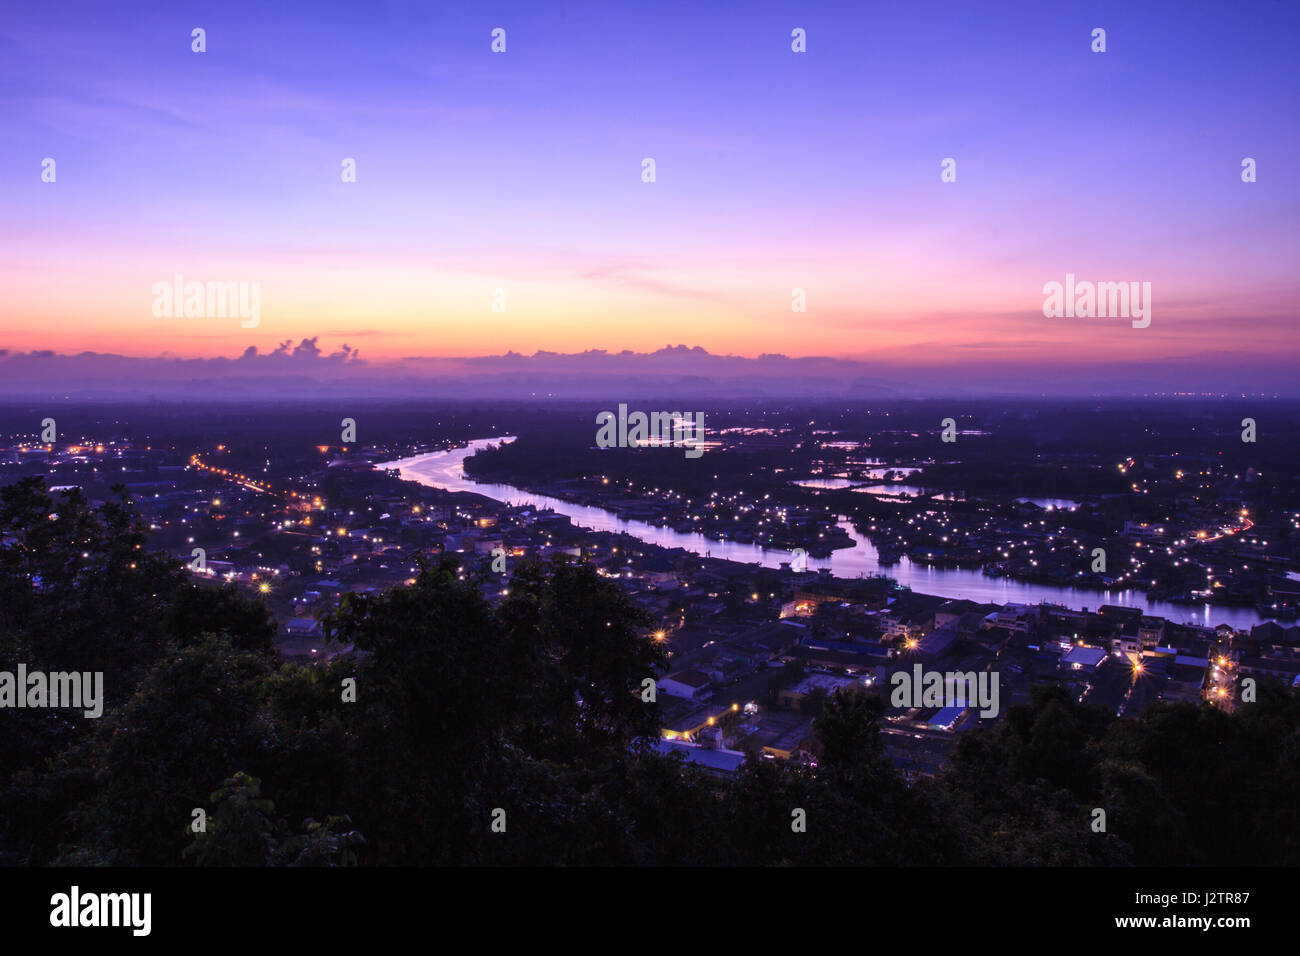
(445,470)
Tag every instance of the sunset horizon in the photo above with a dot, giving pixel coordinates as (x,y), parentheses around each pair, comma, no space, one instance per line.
(425,194)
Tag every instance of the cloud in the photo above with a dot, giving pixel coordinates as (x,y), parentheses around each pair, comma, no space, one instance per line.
(303,369)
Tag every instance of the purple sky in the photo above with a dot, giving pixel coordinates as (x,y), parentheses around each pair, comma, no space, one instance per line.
(516,179)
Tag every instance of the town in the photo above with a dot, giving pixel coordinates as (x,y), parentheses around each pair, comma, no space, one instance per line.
(755,649)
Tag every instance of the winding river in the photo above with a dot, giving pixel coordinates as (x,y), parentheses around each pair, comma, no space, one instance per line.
(444,470)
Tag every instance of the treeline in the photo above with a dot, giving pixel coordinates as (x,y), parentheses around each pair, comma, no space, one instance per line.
(450,710)
(566,451)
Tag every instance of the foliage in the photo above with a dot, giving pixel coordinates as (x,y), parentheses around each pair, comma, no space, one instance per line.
(531,705)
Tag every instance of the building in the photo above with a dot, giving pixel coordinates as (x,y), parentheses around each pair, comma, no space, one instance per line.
(1083,658)
(1151,631)
(790,697)
(937,643)
(947,718)
(691,684)
(1016,617)
(690,723)
(717,762)
(781,735)
(852,656)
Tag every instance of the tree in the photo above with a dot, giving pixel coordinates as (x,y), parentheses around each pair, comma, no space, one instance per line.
(196,609)
(435,687)
(849,729)
(240,832)
(198,708)
(587,652)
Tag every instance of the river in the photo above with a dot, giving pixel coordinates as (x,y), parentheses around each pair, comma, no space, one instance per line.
(444,470)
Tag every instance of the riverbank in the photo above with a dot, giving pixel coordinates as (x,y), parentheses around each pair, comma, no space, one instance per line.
(445,470)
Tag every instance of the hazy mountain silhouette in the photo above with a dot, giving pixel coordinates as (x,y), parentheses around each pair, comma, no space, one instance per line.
(305,370)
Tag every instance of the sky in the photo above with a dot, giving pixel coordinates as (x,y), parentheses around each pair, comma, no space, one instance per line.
(774,171)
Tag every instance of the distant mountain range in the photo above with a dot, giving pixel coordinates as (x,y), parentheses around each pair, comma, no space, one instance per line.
(306,371)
